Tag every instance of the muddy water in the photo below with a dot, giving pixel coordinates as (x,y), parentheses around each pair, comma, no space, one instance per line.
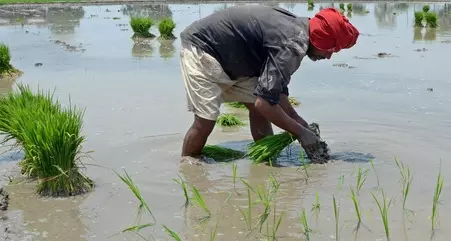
(386,105)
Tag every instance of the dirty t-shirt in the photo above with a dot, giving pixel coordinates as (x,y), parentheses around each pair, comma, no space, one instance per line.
(254,41)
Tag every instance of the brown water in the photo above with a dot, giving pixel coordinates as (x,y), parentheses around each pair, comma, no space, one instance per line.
(136,118)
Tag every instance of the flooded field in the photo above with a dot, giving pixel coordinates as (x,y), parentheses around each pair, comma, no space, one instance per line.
(387,97)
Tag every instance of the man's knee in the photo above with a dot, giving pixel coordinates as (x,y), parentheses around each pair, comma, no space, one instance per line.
(203,125)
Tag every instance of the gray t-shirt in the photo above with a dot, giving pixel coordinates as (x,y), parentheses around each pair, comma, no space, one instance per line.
(254,41)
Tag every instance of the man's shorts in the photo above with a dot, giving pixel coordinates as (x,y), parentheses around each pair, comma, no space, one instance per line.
(207,86)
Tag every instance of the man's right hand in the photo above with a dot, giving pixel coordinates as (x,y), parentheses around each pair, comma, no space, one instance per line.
(307,138)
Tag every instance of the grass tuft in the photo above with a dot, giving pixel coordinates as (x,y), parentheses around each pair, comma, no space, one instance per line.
(222,154)
(305,227)
(431,19)
(51,138)
(227,119)
(141,26)
(238,105)
(270,147)
(166,28)
(435,201)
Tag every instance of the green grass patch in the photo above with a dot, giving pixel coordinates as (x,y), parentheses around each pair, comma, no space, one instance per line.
(229,120)
(166,28)
(51,138)
(222,154)
(270,147)
(141,26)
(237,105)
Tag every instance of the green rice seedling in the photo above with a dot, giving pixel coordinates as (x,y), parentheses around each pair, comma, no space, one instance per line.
(305,227)
(342,7)
(304,164)
(215,230)
(311,3)
(199,201)
(426,8)
(248,217)
(173,234)
(182,184)
(227,119)
(266,197)
(419,16)
(316,205)
(406,179)
(293,101)
(234,169)
(349,7)
(270,147)
(222,154)
(166,28)
(384,206)
(141,26)
(341,181)
(125,178)
(337,218)
(362,174)
(431,19)
(276,222)
(5,59)
(435,201)
(356,208)
(237,105)
(51,137)
(375,173)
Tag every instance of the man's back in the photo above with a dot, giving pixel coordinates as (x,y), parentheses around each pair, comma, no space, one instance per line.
(239,37)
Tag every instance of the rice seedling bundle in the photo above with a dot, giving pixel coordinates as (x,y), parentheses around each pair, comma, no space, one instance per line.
(270,147)
(238,105)
(141,26)
(222,154)
(229,120)
(294,101)
(51,138)
(166,28)
(5,58)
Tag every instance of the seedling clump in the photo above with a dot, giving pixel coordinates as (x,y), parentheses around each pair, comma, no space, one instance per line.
(349,7)
(270,147)
(141,26)
(51,138)
(342,7)
(238,105)
(222,154)
(429,17)
(6,69)
(310,4)
(166,28)
(229,120)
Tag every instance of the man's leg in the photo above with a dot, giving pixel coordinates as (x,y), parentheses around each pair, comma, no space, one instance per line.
(260,126)
(197,136)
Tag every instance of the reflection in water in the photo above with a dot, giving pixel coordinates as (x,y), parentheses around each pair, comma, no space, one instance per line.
(424,34)
(167,49)
(401,7)
(384,15)
(142,49)
(154,11)
(64,20)
(359,8)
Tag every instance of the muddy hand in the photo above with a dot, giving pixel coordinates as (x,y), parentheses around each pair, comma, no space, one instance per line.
(308,139)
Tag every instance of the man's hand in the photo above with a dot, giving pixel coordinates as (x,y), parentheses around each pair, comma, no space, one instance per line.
(291,112)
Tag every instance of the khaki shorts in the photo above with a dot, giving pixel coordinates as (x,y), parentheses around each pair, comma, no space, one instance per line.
(207,86)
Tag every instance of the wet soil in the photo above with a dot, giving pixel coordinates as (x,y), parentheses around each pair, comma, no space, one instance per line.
(10,76)
(4,199)
(343,65)
(68,47)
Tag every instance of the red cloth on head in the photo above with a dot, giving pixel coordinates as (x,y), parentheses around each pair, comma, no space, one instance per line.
(330,31)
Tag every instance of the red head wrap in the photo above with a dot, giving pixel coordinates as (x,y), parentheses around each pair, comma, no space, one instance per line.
(330,31)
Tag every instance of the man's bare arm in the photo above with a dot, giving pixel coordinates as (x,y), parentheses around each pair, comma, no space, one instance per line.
(290,111)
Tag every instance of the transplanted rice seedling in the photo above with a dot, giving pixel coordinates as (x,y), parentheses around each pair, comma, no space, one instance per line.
(406,179)
(431,19)
(51,137)
(337,218)
(215,230)
(435,201)
(356,208)
(419,16)
(304,164)
(362,174)
(375,172)
(316,206)
(173,234)
(222,154)
(166,28)
(342,7)
(234,169)
(5,58)
(384,206)
(142,205)
(227,119)
(199,201)
(310,5)
(247,216)
(270,147)
(426,8)
(349,7)
(305,227)
(238,105)
(293,101)
(182,184)
(141,26)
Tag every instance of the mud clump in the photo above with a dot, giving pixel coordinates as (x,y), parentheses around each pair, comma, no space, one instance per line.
(4,199)
(68,47)
(319,152)
(343,65)
(421,50)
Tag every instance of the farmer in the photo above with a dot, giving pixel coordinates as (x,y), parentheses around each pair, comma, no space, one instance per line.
(247,54)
